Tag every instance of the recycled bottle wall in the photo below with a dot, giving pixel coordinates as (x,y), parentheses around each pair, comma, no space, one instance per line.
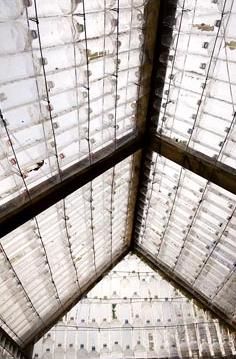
(69,83)
(198,101)
(189,226)
(50,260)
(4,354)
(135,313)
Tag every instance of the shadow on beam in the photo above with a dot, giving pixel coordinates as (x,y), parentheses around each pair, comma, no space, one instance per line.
(21,209)
(204,166)
(180,283)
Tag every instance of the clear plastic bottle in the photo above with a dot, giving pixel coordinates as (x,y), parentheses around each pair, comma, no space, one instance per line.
(129,40)
(20,93)
(58,31)
(104,352)
(95,24)
(104,332)
(137,329)
(205,350)
(82,334)
(216,348)
(115,331)
(70,351)
(126,334)
(93,354)
(55,8)
(47,354)
(116,352)
(82,352)
(93,334)
(184,348)
(12,9)
(18,66)
(15,37)
(128,353)
(162,352)
(125,19)
(139,350)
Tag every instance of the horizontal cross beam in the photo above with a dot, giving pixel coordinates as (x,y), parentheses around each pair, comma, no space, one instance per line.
(203,165)
(53,190)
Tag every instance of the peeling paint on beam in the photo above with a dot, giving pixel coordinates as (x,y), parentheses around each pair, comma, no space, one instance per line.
(204,166)
(51,191)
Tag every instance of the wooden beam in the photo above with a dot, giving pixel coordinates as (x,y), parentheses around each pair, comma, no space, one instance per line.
(183,285)
(162,10)
(21,209)
(203,165)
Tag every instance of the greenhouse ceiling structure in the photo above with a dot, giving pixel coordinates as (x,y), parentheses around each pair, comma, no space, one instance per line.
(117,134)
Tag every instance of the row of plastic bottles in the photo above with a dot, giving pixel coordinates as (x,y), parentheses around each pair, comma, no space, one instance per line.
(14,9)
(138,351)
(180,329)
(90,334)
(17,37)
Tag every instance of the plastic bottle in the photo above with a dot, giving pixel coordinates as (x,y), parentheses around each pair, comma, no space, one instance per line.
(95,24)
(104,332)
(137,329)
(126,334)
(129,41)
(57,8)
(93,354)
(82,352)
(58,31)
(116,352)
(12,9)
(128,353)
(93,334)
(15,37)
(205,351)
(18,66)
(70,351)
(125,19)
(59,351)
(82,334)
(139,350)
(115,331)
(47,354)
(104,352)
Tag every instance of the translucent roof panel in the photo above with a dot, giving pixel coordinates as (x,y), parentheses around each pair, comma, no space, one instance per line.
(135,313)
(69,83)
(198,104)
(4,354)
(189,225)
(47,262)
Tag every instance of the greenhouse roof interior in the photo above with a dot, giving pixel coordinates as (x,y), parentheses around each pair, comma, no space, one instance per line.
(118,135)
